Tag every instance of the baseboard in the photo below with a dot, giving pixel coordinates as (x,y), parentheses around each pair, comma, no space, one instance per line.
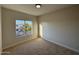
(60,44)
(17,43)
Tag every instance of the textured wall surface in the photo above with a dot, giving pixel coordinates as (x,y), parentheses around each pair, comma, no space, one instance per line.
(62,27)
(0,31)
(9,18)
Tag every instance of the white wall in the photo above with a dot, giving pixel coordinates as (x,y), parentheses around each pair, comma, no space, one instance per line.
(62,27)
(9,27)
(0,31)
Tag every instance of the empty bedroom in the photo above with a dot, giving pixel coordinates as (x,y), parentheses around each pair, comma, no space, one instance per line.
(39,29)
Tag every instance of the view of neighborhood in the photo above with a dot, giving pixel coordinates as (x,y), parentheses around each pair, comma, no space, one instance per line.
(23,27)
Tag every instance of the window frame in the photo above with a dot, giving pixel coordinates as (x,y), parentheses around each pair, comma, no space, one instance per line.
(24,30)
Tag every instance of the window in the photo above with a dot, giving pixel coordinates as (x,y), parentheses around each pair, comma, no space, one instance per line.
(23,27)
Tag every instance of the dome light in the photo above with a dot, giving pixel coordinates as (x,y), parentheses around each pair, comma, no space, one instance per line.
(38,5)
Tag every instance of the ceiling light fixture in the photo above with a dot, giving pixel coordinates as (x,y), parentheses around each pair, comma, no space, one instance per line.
(38,5)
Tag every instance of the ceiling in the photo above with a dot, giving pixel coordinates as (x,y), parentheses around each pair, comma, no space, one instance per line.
(30,8)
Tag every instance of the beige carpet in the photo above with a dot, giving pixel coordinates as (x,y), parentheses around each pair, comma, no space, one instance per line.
(38,47)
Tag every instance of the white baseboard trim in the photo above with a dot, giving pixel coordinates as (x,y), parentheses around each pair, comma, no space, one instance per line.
(60,44)
(17,43)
